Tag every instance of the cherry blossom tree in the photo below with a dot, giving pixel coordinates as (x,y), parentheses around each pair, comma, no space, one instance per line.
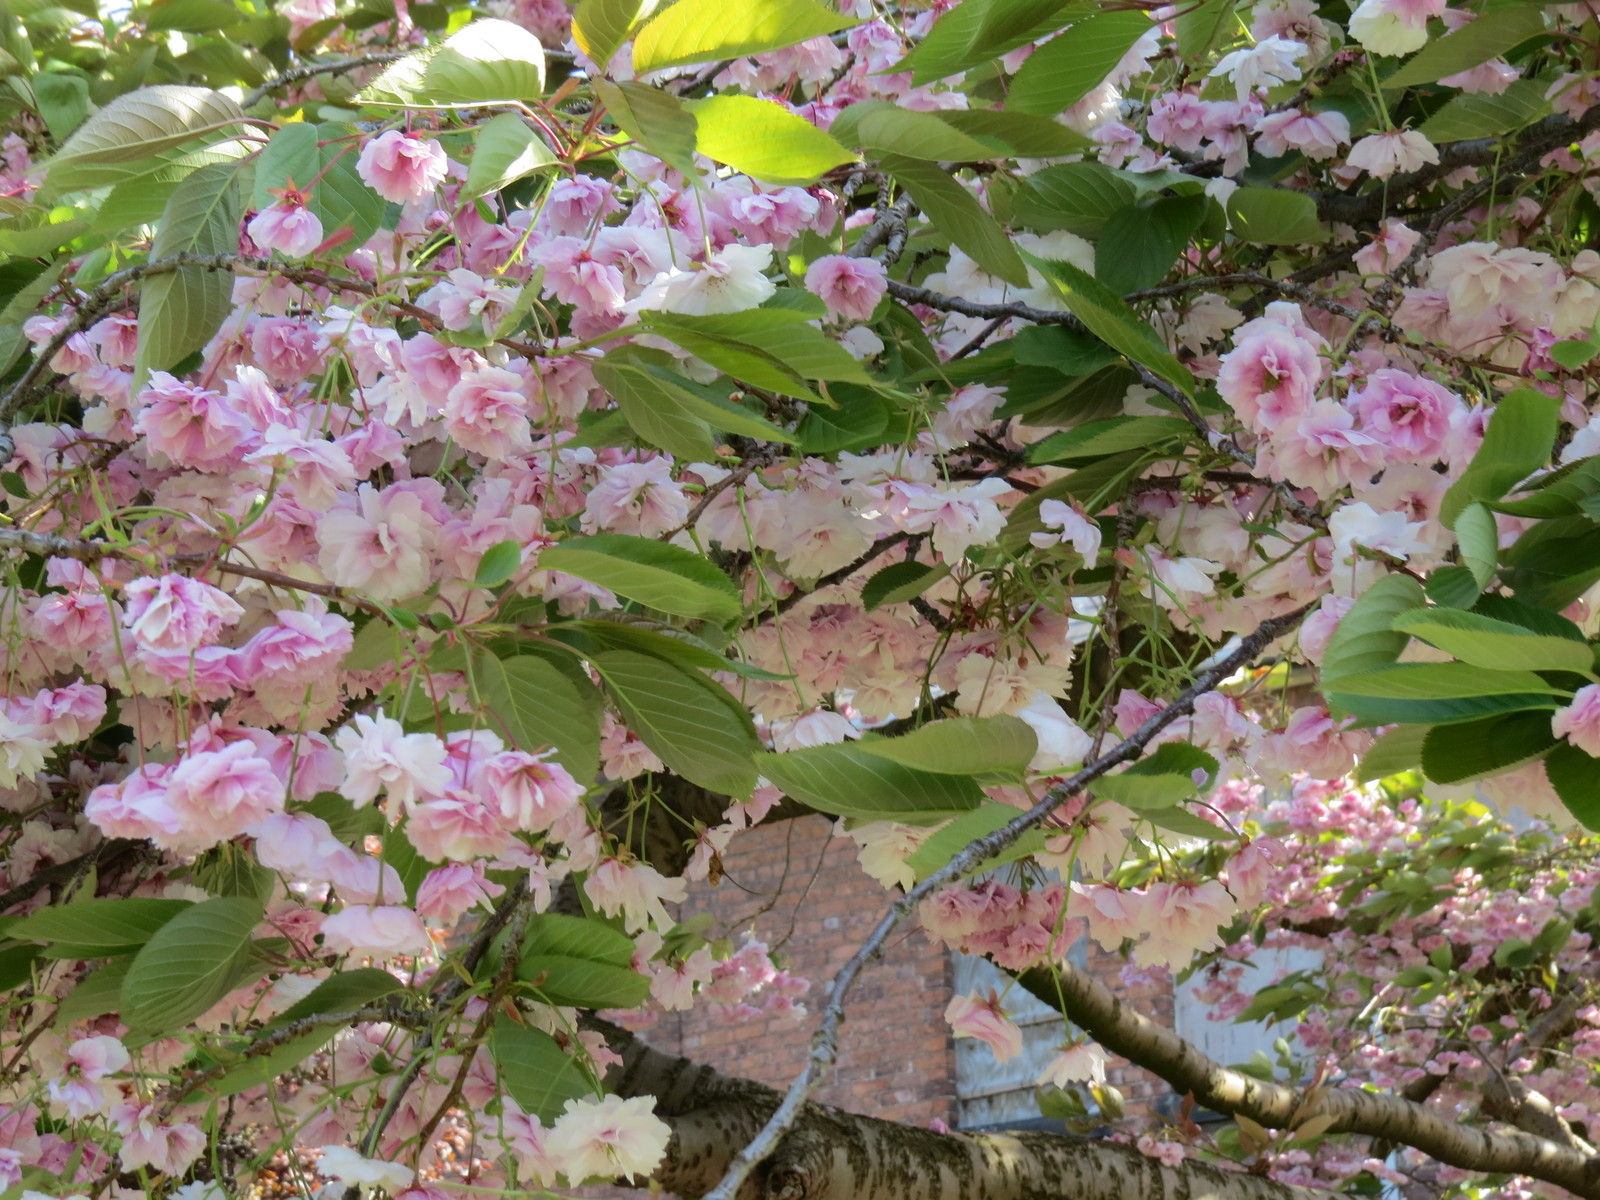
(464,466)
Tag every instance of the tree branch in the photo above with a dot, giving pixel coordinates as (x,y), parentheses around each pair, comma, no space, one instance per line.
(1120,1029)
(339,66)
(1536,141)
(825,1043)
(834,1155)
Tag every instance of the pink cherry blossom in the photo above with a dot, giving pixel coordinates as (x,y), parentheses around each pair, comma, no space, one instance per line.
(984,1019)
(636,891)
(487,412)
(1270,376)
(380,931)
(530,791)
(293,230)
(381,544)
(640,498)
(169,1149)
(850,287)
(191,426)
(380,756)
(175,612)
(219,794)
(448,893)
(400,168)
(1397,150)
(608,1137)
(1579,722)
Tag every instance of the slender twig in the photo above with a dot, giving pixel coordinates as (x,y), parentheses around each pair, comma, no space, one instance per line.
(825,1043)
(338,66)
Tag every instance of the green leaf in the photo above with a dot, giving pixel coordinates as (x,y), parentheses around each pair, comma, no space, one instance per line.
(976,31)
(1398,750)
(97,995)
(858,422)
(62,100)
(1478,749)
(1522,430)
(22,305)
(1022,134)
(582,982)
(601,26)
(1486,36)
(696,728)
(1573,355)
(899,582)
(139,124)
(505,148)
(960,746)
(1200,27)
(847,781)
(577,937)
(1077,197)
(341,198)
(662,576)
(957,213)
(1275,217)
(1066,69)
(788,344)
(98,928)
(1443,681)
(1140,243)
(1096,439)
(1553,563)
(1365,638)
(1379,710)
(1486,642)
(537,1073)
(189,964)
(946,843)
(1479,541)
(489,62)
(1186,824)
(498,564)
(655,412)
(882,126)
(292,154)
(763,139)
(181,310)
(1453,587)
(1112,321)
(1069,351)
(1576,779)
(582,962)
(1161,779)
(657,120)
(231,870)
(192,16)
(697,31)
(1483,115)
(626,632)
(1559,493)
(344,991)
(537,705)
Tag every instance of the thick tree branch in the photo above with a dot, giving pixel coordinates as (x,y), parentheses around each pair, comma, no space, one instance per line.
(834,1155)
(1398,1121)
(825,1042)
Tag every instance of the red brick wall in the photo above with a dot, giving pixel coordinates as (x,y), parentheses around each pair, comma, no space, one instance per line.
(804,894)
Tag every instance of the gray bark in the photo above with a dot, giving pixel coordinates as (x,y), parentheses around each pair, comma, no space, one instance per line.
(829,1154)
